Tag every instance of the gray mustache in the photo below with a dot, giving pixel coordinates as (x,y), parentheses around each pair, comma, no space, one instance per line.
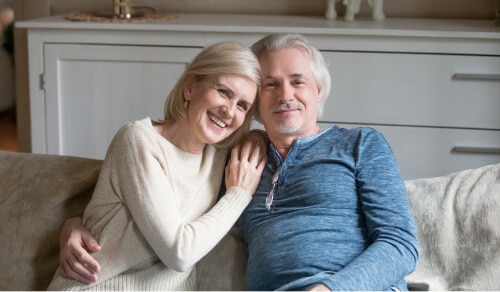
(287,106)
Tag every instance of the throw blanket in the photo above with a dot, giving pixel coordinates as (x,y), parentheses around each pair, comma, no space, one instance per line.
(458,229)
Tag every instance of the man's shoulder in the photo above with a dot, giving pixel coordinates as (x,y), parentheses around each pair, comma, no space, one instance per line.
(354,131)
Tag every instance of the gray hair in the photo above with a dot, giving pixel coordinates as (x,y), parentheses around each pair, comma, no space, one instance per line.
(277,41)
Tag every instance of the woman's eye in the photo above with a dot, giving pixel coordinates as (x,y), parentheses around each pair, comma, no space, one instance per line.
(223,92)
(243,106)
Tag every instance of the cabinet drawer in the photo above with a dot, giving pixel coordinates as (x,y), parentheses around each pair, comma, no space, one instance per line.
(429,152)
(414,89)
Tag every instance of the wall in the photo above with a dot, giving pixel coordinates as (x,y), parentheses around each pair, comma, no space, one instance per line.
(28,9)
(393,8)
(6,70)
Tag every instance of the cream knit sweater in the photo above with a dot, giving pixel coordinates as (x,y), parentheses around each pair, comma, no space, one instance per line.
(155,212)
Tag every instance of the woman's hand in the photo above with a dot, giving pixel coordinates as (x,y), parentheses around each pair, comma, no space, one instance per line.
(75,260)
(260,139)
(245,166)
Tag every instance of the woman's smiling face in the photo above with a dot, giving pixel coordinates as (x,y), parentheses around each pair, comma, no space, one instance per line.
(218,106)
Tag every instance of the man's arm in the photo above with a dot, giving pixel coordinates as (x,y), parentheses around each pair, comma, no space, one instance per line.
(392,253)
(74,242)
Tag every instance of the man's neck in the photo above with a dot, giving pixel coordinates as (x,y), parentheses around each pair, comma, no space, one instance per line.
(284,142)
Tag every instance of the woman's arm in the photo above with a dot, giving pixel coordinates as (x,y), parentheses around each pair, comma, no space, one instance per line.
(154,184)
(243,171)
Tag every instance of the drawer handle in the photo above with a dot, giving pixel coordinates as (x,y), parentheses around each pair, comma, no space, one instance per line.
(472,76)
(481,150)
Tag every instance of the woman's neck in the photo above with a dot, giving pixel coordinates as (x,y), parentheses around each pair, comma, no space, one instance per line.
(179,134)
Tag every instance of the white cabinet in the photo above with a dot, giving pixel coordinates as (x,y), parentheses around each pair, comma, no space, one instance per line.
(93,90)
(430,86)
(440,113)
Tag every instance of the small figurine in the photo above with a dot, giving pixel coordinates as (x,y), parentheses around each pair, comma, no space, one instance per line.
(352,7)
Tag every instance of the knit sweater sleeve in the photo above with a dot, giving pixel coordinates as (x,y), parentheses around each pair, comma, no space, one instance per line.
(392,253)
(140,178)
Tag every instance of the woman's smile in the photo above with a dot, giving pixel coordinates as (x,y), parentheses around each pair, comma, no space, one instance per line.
(217,121)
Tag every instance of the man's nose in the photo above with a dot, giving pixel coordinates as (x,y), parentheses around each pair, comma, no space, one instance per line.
(285,93)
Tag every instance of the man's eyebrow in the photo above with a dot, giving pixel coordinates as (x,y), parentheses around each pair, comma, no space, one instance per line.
(294,75)
(270,76)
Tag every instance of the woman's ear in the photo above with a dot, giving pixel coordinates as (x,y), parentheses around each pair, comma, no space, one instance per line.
(188,84)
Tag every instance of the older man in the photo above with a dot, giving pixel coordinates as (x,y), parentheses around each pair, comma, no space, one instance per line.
(331,210)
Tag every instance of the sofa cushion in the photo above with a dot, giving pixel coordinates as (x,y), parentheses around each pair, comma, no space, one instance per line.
(457,224)
(38,192)
(223,269)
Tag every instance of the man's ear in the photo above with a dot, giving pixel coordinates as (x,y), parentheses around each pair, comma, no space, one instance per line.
(320,96)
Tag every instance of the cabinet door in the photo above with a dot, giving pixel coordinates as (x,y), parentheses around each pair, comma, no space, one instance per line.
(93,90)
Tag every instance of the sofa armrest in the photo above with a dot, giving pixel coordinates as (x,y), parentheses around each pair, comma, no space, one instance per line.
(457,226)
(37,193)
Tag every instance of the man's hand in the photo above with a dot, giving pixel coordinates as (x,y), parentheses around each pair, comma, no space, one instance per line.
(74,242)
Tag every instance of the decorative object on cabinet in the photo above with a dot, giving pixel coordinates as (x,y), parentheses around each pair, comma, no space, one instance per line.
(123,12)
(352,8)
(123,9)
(138,18)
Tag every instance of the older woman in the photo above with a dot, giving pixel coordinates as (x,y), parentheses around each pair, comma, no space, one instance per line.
(155,210)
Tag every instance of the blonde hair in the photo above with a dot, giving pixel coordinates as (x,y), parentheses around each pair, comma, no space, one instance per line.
(217,59)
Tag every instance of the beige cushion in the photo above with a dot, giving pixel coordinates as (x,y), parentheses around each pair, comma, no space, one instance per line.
(37,193)
(457,219)
(223,269)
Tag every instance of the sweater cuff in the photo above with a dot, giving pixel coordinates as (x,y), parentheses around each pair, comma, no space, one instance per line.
(239,193)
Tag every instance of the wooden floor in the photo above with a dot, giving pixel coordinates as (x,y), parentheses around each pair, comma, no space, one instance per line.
(8,131)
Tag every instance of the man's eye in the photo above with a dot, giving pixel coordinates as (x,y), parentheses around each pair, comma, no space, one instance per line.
(271,84)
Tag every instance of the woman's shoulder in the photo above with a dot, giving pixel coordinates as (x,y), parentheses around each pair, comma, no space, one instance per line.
(140,132)
(137,128)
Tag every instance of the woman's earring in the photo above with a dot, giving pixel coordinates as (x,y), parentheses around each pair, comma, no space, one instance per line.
(186,104)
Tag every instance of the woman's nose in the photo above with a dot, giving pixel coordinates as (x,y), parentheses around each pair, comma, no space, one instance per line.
(229,108)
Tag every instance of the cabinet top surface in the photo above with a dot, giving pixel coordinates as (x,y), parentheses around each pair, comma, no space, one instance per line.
(243,23)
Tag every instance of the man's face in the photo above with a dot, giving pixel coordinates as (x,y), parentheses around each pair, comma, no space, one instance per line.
(289,95)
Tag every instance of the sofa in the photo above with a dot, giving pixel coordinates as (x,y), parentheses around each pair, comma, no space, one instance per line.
(457,219)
